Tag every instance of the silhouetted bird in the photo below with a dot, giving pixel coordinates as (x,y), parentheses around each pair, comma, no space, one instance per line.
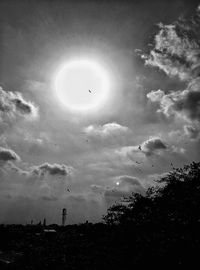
(68,190)
(90,91)
(139,147)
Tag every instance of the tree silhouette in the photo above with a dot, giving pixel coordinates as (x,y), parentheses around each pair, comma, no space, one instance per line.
(174,201)
(162,226)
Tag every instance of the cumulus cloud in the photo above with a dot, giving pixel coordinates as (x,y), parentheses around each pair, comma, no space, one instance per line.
(127,185)
(124,185)
(8,155)
(153,145)
(51,169)
(12,104)
(136,153)
(106,130)
(44,169)
(183,104)
(176,50)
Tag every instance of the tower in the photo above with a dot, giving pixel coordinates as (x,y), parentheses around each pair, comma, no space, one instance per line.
(44,222)
(64,214)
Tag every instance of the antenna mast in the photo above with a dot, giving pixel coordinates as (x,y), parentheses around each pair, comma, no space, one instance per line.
(64,214)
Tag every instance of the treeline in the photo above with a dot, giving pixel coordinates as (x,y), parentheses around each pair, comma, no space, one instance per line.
(162,226)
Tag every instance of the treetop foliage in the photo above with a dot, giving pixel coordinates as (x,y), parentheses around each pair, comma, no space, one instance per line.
(175,200)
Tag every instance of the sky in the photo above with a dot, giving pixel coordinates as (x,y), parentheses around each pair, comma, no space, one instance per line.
(52,157)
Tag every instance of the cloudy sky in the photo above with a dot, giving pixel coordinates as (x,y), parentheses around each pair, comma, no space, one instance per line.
(52,157)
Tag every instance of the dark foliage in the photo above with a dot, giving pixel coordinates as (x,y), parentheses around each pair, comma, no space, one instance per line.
(174,201)
(162,226)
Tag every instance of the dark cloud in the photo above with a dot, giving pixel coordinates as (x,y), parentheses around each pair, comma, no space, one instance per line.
(8,155)
(153,145)
(21,106)
(52,169)
(13,104)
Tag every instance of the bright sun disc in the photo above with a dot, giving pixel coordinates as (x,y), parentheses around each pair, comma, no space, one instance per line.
(82,85)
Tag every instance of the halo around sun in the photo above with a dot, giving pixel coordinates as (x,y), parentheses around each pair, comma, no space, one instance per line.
(82,85)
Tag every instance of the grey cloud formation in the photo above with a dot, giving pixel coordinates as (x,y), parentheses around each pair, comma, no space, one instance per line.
(109,192)
(177,52)
(177,48)
(51,169)
(44,169)
(128,180)
(191,131)
(124,186)
(13,104)
(106,130)
(184,104)
(8,155)
(153,145)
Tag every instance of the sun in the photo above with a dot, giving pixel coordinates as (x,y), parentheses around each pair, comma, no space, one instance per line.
(82,85)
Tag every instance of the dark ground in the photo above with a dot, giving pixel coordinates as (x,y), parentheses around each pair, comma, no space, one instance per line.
(97,246)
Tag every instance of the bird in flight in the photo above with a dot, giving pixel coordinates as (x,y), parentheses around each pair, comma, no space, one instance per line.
(137,162)
(90,91)
(68,190)
(139,147)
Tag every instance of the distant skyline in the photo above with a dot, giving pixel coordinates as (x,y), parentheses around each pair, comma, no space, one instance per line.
(52,157)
